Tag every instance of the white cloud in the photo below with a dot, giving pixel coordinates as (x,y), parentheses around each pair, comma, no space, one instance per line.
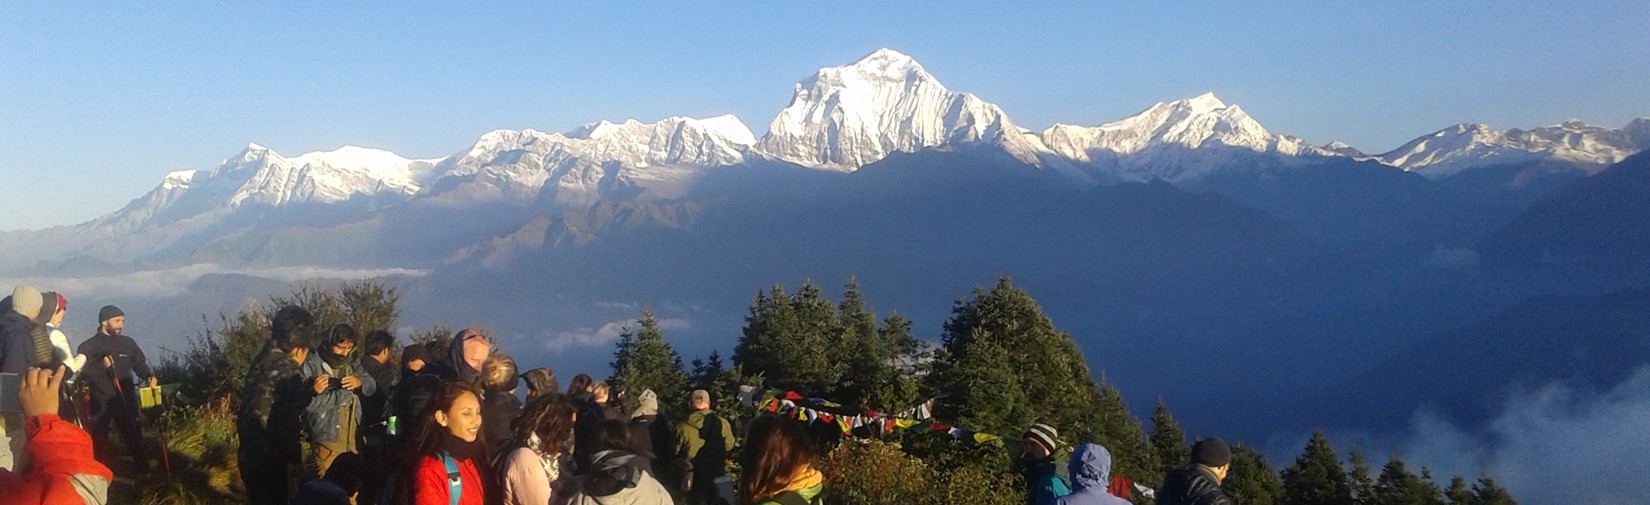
(1552,445)
(605,335)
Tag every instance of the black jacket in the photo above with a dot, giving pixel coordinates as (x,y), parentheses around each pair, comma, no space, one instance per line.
(16,342)
(128,358)
(375,408)
(273,398)
(1191,486)
(498,411)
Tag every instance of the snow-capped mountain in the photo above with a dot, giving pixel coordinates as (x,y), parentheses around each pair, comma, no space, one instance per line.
(260,176)
(846,117)
(599,160)
(1465,146)
(1155,143)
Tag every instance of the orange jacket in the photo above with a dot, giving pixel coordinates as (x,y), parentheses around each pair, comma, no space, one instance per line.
(432,483)
(63,471)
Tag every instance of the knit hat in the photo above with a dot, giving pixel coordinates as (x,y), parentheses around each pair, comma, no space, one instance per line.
(108,312)
(1211,452)
(1043,434)
(647,404)
(415,351)
(699,396)
(25,299)
(50,302)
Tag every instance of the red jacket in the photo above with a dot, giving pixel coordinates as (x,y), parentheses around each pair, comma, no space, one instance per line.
(63,468)
(431,487)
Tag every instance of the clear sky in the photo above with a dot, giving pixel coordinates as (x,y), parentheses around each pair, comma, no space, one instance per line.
(99,100)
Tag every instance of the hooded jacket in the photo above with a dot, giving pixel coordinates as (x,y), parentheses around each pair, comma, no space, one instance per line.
(321,415)
(689,443)
(1191,486)
(16,342)
(63,470)
(1090,475)
(618,478)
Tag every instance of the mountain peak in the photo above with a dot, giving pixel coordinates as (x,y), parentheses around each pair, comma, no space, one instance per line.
(1202,104)
(887,63)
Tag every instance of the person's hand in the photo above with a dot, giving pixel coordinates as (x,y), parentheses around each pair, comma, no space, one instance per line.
(153,382)
(38,393)
(321,383)
(351,382)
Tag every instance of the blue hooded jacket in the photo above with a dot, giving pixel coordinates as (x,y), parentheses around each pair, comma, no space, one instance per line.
(1090,475)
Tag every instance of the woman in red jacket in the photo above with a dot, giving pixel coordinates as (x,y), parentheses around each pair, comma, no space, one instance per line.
(446,462)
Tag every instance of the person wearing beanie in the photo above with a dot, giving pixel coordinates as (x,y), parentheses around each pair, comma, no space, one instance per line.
(17,354)
(1199,482)
(112,360)
(1045,479)
(646,432)
(61,352)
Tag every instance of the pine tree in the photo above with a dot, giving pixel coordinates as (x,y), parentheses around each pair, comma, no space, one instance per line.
(1459,493)
(1316,477)
(1363,481)
(862,353)
(1251,480)
(642,360)
(898,385)
(1487,492)
(1397,486)
(794,341)
(1167,439)
(1121,433)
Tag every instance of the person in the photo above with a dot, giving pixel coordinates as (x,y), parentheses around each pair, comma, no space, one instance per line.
(468,351)
(273,398)
(499,407)
(343,480)
(63,470)
(446,457)
(582,390)
(579,387)
(1198,483)
(1043,475)
(404,405)
(540,381)
(113,358)
(374,439)
(654,439)
(53,307)
(17,354)
(338,380)
(1090,477)
(602,395)
(531,471)
(777,464)
(703,440)
(618,476)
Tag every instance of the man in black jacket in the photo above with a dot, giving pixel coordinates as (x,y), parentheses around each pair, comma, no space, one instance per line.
(272,401)
(1199,483)
(111,359)
(17,354)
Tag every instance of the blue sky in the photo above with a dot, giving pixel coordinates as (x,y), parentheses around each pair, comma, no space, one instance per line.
(97,102)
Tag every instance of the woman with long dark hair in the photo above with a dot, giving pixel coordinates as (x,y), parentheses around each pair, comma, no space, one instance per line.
(778,459)
(447,454)
(533,473)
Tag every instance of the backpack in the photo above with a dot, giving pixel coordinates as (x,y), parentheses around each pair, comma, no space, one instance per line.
(499,460)
(455,482)
(711,455)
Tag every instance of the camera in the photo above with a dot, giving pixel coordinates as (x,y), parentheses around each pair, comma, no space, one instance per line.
(335,383)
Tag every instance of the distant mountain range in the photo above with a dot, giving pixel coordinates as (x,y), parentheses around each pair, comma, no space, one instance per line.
(1188,230)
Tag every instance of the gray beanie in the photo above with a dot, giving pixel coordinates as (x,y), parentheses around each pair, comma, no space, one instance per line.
(647,404)
(25,299)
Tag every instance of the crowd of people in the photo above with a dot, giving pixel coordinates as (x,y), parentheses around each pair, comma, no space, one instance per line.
(331,416)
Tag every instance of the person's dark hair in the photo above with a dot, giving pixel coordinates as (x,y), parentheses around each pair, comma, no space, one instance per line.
(541,381)
(288,321)
(550,416)
(342,332)
(775,448)
(297,340)
(430,434)
(348,471)
(580,383)
(378,341)
(612,434)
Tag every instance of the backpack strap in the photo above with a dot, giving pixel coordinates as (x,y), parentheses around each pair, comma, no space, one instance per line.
(455,479)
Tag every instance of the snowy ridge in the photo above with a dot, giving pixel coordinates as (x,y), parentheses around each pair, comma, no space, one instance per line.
(1150,144)
(1465,146)
(846,117)
(602,159)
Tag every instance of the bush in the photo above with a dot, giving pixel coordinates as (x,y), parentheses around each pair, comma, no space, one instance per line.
(872,472)
(200,446)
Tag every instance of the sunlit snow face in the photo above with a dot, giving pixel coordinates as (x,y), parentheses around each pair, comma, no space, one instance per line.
(464,419)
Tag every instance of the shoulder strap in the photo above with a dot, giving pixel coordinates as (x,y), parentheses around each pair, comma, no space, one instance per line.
(455,479)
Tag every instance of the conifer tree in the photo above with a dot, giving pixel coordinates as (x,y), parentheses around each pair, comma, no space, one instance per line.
(1458,492)
(1397,486)
(1487,492)
(1316,477)
(898,385)
(861,353)
(794,341)
(1363,481)
(1114,427)
(644,360)
(1251,480)
(1167,439)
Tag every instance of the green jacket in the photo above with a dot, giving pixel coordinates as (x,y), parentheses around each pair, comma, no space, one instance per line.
(687,434)
(808,494)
